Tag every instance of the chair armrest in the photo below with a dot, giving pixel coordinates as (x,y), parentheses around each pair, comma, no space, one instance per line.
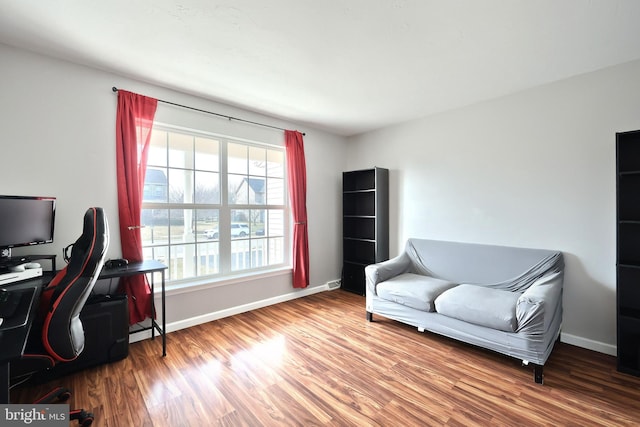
(536,306)
(385,270)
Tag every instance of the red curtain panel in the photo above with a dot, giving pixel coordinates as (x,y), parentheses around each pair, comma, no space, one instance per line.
(134,121)
(297,178)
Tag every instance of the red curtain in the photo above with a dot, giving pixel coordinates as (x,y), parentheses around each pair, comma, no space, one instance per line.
(133,132)
(297,178)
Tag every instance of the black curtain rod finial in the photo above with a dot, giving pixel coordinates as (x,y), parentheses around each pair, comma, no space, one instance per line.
(115,89)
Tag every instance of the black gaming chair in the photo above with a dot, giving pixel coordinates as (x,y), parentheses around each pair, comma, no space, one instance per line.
(57,335)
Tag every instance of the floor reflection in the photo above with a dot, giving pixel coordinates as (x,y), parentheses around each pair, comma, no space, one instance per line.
(266,353)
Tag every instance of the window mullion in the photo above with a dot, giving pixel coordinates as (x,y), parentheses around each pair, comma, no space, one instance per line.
(225,213)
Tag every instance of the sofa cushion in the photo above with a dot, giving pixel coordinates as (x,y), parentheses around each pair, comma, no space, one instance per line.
(493,308)
(413,290)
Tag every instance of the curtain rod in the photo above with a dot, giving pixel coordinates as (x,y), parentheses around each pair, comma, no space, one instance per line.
(115,89)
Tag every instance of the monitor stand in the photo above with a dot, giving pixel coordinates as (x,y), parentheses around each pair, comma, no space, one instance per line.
(7,261)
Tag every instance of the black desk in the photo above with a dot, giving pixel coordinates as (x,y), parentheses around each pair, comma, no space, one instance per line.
(144,267)
(13,341)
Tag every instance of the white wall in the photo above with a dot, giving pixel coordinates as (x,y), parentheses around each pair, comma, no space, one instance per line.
(57,138)
(535,169)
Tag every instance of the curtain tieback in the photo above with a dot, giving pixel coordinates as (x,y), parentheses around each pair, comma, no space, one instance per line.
(300,223)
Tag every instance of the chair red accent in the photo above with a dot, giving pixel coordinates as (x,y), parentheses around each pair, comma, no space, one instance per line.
(57,335)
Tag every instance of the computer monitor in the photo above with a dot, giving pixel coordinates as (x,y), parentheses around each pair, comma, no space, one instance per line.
(25,221)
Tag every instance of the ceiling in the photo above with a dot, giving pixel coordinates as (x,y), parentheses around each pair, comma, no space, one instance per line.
(345,66)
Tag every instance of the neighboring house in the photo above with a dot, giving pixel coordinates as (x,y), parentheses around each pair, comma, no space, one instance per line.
(257,194)
(156,189)
(256,189)
(155,186)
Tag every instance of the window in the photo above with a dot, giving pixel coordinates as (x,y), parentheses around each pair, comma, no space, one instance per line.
(214,206)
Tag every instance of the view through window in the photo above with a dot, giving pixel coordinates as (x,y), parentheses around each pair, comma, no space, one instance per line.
(214,206)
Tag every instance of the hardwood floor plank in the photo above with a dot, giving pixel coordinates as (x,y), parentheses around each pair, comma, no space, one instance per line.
(202,379)
(250,406)
(403,413)
(120,396)
(316,361)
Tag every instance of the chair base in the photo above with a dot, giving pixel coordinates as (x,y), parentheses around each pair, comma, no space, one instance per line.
(62,394)
(83,417)
(58,394)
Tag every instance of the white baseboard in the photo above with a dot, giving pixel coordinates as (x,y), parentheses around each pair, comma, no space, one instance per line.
(197,320)
(598,346)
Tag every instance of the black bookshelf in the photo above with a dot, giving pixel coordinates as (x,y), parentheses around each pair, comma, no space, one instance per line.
(365,224)
(628,251)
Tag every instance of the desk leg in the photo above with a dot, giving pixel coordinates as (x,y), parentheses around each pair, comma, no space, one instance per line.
(154,324)
(164,321)
(4,379)
(153,306)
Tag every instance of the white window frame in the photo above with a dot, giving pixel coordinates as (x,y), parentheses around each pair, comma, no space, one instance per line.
(226,274)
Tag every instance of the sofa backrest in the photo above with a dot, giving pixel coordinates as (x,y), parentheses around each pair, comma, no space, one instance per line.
(478,263)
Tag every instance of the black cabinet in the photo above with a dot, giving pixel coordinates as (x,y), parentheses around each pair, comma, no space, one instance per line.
(365,224)
(628,251)
(105,320)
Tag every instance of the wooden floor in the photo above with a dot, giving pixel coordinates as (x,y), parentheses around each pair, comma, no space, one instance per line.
(316,361)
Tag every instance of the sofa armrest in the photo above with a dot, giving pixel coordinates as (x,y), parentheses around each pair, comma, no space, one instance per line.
(536,306)
(385,270)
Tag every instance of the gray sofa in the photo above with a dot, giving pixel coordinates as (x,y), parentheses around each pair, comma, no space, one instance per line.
(501,298)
